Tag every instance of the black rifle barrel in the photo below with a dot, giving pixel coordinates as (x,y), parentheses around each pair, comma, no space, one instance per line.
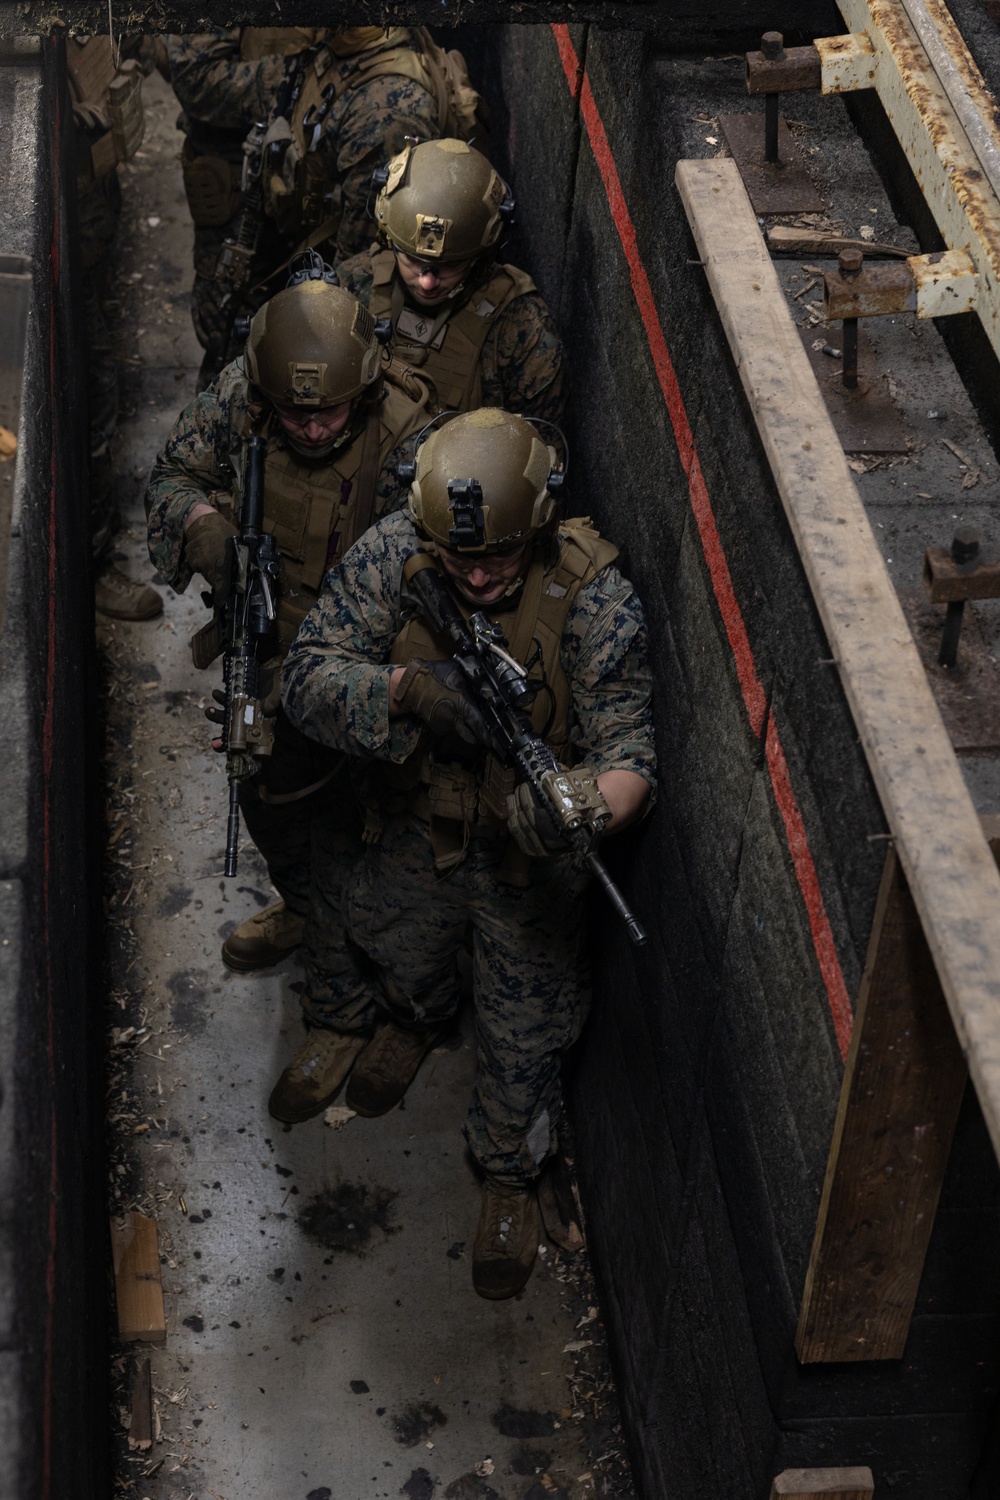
(634,928)
(233,829)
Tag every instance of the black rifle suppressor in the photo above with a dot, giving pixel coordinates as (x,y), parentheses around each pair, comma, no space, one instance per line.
(500,688)
(251,564)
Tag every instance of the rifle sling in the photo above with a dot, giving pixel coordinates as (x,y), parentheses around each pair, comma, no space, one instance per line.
(367,480)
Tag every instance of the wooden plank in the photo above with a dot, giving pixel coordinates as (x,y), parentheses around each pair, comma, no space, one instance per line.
(947,863)
(140,1432)
(835,1484)
(136,1255)
(899,1104)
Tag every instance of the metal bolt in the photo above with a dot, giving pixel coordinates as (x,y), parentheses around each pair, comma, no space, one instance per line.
(964,546)
(849,262)
(772,46)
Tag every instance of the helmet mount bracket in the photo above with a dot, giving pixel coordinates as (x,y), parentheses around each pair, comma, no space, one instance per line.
(466,505)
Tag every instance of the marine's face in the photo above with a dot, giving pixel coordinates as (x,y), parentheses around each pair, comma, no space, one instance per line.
(428,281)
(314,430)
(485,577)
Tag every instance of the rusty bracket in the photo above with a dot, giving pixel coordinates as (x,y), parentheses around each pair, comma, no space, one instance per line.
(912,53)
(932,286)
(952,578)
(777,69)
(962,573)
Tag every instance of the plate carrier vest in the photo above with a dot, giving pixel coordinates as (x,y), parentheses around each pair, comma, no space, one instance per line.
(455,798)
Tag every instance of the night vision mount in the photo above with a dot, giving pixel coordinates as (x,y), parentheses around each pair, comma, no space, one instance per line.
(466,505)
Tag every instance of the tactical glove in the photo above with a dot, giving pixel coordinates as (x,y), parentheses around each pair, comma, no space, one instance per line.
(435,691)
(205,547)
(536,827)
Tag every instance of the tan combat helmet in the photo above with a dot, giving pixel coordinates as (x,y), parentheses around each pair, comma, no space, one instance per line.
(484,482)
(313,345)
(441,200)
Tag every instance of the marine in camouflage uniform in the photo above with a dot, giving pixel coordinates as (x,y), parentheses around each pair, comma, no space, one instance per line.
(449,846)
(476,328)
(312,353)
(226,82)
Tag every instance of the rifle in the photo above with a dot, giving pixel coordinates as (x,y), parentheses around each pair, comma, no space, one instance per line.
(499,685)
(235,264)
(252,563)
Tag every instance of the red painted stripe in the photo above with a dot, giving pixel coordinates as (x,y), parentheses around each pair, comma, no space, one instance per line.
(751,687)
(48,747)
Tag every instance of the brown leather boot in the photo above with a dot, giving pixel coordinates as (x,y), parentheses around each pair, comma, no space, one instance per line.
(506,1244)
(389,1066)
(313,1077)
(124,598)
(263,940)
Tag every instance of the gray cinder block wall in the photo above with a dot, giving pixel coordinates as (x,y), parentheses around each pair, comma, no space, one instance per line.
(706,1087)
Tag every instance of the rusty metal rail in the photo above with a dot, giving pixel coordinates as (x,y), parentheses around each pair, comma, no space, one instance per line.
(912,54)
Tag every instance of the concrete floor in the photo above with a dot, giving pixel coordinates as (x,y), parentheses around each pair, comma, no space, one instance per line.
(336,1260)
(324,1341)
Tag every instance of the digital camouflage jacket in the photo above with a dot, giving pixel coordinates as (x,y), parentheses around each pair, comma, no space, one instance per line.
(336,676)
(360,129)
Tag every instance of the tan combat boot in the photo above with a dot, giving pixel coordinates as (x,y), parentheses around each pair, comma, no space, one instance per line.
(124,598)
(389,1066)
(314,1075)
(506,1243)
(263,940)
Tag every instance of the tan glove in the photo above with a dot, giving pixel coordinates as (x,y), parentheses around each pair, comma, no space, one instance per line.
(205,547)
(536,827)
(435,691)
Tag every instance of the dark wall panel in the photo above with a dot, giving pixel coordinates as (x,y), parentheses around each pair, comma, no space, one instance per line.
(707,1083)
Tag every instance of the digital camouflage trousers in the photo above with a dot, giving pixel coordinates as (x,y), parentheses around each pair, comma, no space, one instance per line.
(530,983)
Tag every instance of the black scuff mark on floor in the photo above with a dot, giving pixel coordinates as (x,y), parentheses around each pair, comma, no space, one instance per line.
(175,900)
(417,1422)
(346,1217)
(470,1487)
(419,1486)
(261,897)
(187,1012)
(195,1323)
(530,1461)
(323,1493)
(511,1422)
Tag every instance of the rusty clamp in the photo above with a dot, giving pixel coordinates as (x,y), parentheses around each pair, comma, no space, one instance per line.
(775,70)
(953,577)
(932,286)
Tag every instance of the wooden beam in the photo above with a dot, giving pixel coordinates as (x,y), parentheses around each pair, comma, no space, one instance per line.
(948,866)
(899,1103)
(136,1256)
(835,1484)
(140,1432)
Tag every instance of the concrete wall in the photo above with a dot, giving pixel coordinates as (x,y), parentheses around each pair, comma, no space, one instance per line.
(707,1085)
(53,1228)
